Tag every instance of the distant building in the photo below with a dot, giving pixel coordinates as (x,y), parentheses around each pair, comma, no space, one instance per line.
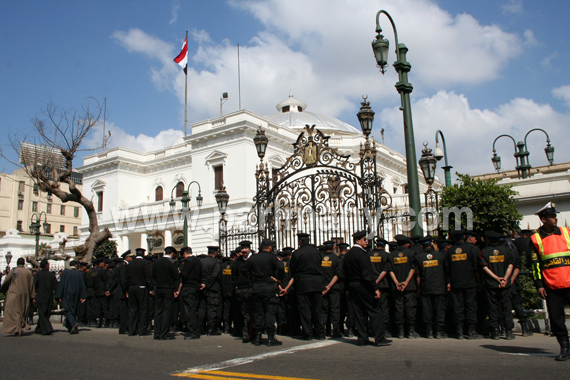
(545,184)
(132,190)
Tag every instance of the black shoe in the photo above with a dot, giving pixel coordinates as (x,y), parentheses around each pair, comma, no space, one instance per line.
(459,332)
(381,343)
(510,335)
(525,330)
(564,349)
(99,323)
(336,334)
(192,337)
(271,341)
(429,332)
(214,333)
(74,329)
(308,337)
(167,338)
(320,337)
(123,332)
(245,339)
(362,342)
(400,332)
(144,333)
(257,340)
(350,333)
(494,335)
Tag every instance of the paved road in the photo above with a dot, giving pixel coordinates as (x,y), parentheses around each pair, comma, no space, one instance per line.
(103,354)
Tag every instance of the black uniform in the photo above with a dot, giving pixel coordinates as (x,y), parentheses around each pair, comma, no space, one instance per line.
(522,253)
(308,279)
(284,318)
(401,262)
(433,286)
(139,282)
(191,277)
(115,289)
(264,269)
(462,266)
(497,258)
(166,281)
(360,282)
(210,296)
(379,259)
(227,294)
(46,284)
(122,290)
(101,305)
(242,283)
(331,266)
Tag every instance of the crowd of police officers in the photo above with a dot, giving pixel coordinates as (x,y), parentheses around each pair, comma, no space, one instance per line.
(464,287)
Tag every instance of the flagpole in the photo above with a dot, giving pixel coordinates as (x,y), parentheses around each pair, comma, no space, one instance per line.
(186,93)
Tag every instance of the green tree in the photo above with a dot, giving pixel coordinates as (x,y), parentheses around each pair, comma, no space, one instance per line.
(492,206)
(107,250)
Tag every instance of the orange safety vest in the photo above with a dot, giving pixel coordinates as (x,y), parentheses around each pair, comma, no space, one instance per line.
(554,258)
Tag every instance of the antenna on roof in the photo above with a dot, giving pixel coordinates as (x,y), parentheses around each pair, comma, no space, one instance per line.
(239,80)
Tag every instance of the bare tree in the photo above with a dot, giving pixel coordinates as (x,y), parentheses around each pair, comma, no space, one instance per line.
(47,156)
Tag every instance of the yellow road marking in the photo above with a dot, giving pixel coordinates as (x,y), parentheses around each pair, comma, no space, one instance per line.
(207,376)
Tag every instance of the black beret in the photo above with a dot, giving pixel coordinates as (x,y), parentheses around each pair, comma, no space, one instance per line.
(213,249)
(112,264)
(381,241)
(493,235)
(415,237)
(288,249)
(359,235)
(267,242)
(342,245)
(471,233)
(444,242)
(301,235)
(402,239)
(126,253)
(329,243)
(245,243)
(426,240)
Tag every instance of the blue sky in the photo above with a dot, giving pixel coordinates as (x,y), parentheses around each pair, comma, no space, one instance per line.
(479,68)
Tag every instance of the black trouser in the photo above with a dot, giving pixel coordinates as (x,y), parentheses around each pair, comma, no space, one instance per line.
(138,309)
(81,314)
(163,301)
(93,309)
(264,312)
(517,304)
(310,311)
(331,309)
(209,307)
(283,310)
(464,306)
(44,312)
(189,310)
(385,305)
(499,307)
(123,314)
(346,310)
(225,311)
(103,308)
(114,305)
(366,307)
(556,299)
(246,306)
(293,318)
(433,306)
(405,305)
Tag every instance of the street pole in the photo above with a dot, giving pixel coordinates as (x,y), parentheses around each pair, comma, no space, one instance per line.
(438,155)
(404,87)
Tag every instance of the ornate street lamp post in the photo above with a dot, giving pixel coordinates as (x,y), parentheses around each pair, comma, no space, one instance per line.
(185,200)
(150,242)
(439,154)
(8,259)
(380,46)
(262,180)
(428,164)
(222,198)
(523,164)
(35,224)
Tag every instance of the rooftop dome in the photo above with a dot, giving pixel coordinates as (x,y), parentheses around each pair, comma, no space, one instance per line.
(292,114)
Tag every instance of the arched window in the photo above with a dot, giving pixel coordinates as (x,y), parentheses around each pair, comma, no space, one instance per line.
(179,189)
(158,194)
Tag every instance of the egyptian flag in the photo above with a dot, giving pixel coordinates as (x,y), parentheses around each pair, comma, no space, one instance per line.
(182,58)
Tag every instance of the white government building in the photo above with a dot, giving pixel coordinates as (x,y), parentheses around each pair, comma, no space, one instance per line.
(132,189)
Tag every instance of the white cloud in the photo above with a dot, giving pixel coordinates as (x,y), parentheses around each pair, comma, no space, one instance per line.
(469,133)
(562,92)
(529,38)
(323,54)
(140,143)
(547,62)
(514,7)
(175,8)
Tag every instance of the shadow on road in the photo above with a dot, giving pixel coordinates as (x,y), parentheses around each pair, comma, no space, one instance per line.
(516,349)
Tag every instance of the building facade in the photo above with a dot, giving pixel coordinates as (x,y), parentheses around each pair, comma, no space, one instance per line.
(133,190)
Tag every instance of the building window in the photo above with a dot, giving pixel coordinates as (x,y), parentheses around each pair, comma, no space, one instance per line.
(76,212)
(285,109)
(20,205)
(218,177)
(21,186)
(34,206)
(74,230)
(179,189)
(61,228)
(62,210)
(36,190)
(48,208)
(99,201)
(158,193)
(406,189)
(19,225)
(48,229)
